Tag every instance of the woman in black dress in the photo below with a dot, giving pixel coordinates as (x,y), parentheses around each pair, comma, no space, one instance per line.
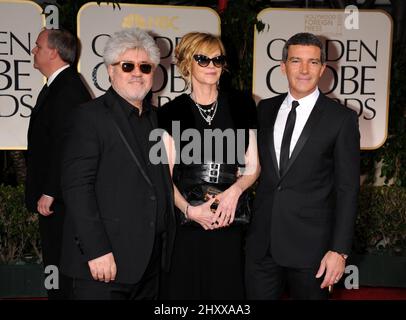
(207,261)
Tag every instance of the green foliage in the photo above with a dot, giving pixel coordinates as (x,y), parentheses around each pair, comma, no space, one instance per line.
(19,232)
(238,22)
(393,153)
(381,222)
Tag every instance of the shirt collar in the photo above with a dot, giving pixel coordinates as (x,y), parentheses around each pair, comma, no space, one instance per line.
(309,100)
(55,74)
(129,109)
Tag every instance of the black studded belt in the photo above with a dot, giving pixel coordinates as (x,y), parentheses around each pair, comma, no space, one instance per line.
(217,173)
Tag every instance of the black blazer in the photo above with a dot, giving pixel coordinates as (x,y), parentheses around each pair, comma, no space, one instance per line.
(310,209)
(46,134)
(110,200)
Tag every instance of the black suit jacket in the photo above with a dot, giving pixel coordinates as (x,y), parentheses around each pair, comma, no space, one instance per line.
(110,199)
(310,209)
(46,133)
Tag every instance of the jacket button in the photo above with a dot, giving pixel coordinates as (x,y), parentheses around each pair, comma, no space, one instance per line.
(152,198)
(279,188)
(152,224)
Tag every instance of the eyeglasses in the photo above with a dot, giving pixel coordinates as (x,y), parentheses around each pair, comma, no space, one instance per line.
(204,61)
(145,68)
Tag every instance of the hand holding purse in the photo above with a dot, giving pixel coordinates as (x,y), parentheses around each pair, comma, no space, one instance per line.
(202,193)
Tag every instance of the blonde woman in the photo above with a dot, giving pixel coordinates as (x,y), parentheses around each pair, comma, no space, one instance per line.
(207,262)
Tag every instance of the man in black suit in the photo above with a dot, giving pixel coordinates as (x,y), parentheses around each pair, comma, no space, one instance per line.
(120,214)
(306,199)
(54,54)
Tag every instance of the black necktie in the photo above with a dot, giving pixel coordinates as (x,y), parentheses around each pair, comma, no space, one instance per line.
(287,136)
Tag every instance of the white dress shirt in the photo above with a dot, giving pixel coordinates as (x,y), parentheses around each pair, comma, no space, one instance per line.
(303,111)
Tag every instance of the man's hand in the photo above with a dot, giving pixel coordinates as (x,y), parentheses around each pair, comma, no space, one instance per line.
(103,268)
(333,264)
(44,205)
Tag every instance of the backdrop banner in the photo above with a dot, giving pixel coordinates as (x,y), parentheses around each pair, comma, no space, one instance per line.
(358,48)
(167,24)
(20,83)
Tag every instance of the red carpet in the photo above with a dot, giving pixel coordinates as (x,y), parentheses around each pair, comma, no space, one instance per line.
(369,293)
(364,293)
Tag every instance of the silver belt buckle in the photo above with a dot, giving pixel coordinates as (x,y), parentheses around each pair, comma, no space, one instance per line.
(214,172)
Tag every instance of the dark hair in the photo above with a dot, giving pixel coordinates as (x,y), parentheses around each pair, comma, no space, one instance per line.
(64,42)
(304,39)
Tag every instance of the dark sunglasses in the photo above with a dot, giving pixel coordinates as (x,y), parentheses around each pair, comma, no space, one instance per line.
(145,68)
(204,61)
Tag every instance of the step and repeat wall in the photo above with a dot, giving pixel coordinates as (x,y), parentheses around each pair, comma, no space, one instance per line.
(167,24)
(358,57)
(20,83)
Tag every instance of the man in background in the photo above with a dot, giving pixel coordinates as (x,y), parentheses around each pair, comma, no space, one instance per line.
(54,55)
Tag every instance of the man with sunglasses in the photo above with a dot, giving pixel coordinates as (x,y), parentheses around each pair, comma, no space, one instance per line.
(120,207)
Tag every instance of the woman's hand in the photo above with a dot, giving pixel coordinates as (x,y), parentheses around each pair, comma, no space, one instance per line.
(228,200)
(203,215)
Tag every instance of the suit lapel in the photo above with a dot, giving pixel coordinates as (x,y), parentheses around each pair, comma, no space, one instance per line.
(40,100)
(314,117)
(45,91)
(274,113)
(272,143)
(38,105)
(114,109)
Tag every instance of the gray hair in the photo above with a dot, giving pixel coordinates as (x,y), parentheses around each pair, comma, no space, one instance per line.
(304,39)
(133,38)
(64,42)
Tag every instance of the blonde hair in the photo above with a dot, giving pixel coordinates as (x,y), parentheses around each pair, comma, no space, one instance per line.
(193,43)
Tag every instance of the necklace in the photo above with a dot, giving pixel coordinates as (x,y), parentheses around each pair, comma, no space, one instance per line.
(207,114)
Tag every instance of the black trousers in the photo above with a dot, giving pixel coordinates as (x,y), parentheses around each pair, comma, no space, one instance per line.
(146,289)
(266,280)
(50,228)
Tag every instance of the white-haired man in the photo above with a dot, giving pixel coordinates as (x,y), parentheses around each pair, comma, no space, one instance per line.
(119,205)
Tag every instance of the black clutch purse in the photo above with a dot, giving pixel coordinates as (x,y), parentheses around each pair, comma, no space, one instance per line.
(202,193)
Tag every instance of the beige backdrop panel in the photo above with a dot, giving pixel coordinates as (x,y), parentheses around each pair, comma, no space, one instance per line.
(20,83)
